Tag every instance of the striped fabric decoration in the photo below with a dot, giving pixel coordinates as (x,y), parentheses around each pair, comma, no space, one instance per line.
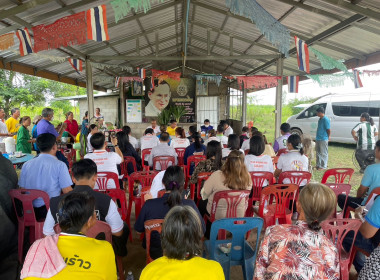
(25,41)
(357,81)
(293,83)
(142,73)
(117,82)
(76,64)
(302,55)
(97,28)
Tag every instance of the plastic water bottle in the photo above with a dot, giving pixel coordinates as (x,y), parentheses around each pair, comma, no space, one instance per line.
(130,275)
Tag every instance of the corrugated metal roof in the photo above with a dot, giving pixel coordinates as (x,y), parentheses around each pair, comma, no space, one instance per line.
(306,19)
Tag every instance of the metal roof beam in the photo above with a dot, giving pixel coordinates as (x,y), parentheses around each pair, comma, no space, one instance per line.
(355,8)
(330,31)
(171,58)
(22,8)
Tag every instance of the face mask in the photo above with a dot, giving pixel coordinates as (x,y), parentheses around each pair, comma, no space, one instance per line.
(207,125)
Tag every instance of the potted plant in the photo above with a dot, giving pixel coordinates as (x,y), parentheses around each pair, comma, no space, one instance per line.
(178,112)
(164,117)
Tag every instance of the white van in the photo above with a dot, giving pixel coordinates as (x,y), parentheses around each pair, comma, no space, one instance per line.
(344,112)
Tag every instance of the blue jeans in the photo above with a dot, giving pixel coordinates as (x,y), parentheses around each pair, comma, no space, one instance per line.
(322,152)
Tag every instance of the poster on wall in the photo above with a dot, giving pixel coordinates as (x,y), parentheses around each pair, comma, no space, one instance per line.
(134,112)
(201,87)
(137,88)
(171,93)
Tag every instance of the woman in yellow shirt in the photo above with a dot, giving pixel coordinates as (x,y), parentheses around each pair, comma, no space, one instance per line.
(71,255)
(181,240)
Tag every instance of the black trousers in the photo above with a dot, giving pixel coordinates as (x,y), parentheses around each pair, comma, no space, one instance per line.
(365,157)
(119,243)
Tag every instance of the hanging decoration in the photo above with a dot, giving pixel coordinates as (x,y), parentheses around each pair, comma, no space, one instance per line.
(273,30)
(293,82)
(104,79)
(77,64)
(210,78)
(117,81)
(128,79)
(6,41)
(66,31)
(142,72)
(25,41)
(372,72)
(151,86)
(328,62)
(164,75)
(229,78)
(302,55)
(122,7)
(255,82)
(57,59)
(357,81)
(332,80)
(103,66)
(97,28)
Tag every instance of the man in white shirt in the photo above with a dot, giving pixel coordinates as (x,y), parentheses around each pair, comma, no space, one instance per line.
(3,127)
(148,141)
(105,161)
(219,134)
(280,142)
(155,127)
(157,184)
(227,129)
(163,149)
(134,142)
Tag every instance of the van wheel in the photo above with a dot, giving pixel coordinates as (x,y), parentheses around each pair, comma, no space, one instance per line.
(296,131)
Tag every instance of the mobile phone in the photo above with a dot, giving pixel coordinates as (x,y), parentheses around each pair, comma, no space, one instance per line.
(185,194)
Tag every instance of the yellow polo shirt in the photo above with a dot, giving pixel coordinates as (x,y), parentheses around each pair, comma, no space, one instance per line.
(86,258)
(193,269)
(13,126)
(171,131)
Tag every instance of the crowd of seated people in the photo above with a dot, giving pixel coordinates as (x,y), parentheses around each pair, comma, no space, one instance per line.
(312,255)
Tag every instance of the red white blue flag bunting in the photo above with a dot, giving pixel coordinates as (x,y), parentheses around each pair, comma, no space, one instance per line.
(293,83)
(302,55)
(142,73)
(76,64)
(97,28)
(357,81)
(117,81)
(25,41)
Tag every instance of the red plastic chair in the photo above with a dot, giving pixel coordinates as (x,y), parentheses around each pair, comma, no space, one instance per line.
(340,189)
(145,178)
(336,230)
(258,180)
(150,226)
(282,151)
(224,145)
(144,153)
(340,175)
(192,161)
(124,166)
(295,177)
(180,153)
(246,152)
(118,196)
(274,203)
(101,227)
(163,162)
(202,177)
(376,191)
(161,193)
(26,216)
(70,155)
(103,179)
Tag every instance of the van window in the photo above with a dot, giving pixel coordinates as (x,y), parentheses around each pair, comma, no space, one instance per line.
(374,108)
(345,109)
(311,111)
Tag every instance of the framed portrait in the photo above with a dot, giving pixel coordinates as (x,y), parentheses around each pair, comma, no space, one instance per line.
(137,88)
(201,88)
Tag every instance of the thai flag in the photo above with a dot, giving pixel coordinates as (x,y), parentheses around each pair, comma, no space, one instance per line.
(357,81)
(302,55)
(142,73)
(25,41)
(293,83)
(117,81)
(76,64)
(152,83)
(97,28)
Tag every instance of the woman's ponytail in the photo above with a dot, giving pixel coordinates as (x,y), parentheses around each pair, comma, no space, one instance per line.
(174,180)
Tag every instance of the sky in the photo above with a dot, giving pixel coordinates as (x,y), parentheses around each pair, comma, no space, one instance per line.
(310,89)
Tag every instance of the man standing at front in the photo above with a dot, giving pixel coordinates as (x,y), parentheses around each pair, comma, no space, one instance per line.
(322,139)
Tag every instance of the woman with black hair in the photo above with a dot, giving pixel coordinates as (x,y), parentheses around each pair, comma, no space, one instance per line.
(294,160)
(157,208)
(212,163)
(182,245)
(128,150)
(233,144)
(180,140)
(256,160)
(71,255)
(196,148)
